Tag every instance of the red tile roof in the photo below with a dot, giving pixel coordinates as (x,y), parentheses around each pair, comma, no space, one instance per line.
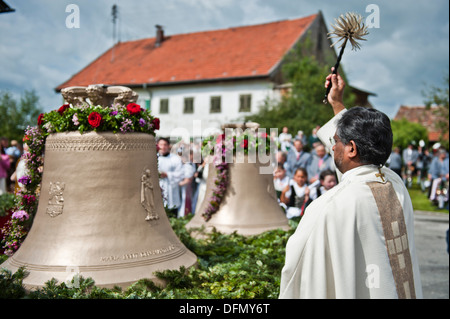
(422,115)
(249,51)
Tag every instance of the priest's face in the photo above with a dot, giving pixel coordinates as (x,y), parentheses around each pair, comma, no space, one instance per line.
(338,150)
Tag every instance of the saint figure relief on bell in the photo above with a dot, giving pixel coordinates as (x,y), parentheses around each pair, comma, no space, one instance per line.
(147,200)
(56,199)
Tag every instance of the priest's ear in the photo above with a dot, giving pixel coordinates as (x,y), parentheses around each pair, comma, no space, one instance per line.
(352,150)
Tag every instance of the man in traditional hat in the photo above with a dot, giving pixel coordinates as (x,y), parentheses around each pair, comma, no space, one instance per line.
(356,240)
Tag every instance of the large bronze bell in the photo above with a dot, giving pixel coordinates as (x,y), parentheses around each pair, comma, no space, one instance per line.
(100,214)
(250,205)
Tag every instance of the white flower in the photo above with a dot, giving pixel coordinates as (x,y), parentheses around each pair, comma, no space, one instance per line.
(75,119)
(48,127)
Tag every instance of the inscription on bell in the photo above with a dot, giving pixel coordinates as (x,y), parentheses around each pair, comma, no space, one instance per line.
(136,255)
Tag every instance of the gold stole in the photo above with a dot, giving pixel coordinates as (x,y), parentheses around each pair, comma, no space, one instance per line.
(396,237)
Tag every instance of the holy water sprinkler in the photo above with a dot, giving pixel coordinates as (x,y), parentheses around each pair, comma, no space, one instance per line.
(347,28)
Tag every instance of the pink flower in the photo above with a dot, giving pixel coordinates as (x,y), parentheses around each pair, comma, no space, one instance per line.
(20,215)
(75,119)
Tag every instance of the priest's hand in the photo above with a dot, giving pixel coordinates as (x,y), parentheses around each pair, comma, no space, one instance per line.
(336,95)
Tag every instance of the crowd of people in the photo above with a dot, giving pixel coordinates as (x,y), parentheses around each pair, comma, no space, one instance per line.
(430,166)
(11,152)
(303,170)
(180,179)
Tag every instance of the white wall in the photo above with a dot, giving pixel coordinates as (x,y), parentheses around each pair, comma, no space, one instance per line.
(230,92)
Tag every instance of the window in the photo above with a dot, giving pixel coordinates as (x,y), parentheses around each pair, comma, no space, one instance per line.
(245,102)
(164,106)
(188,105)
(215,105)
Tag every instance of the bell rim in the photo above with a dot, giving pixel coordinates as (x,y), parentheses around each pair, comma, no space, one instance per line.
(182,250)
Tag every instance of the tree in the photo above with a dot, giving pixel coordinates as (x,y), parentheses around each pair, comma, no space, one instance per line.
(301,109)
(406,132)
(439,97)
(16,116)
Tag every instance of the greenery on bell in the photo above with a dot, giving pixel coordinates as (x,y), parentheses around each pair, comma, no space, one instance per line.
(11,283)
(229,267)
(7,203)
(115,118)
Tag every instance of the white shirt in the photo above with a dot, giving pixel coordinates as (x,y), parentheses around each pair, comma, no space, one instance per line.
(173,167)
(280,184)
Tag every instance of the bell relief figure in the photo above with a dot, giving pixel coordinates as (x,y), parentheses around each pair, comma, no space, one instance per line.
(147,200)
(56,199)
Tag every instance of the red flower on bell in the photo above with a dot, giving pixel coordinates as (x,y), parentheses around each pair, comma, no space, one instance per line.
(133,108)
(40,119)
(95,119)
(63,108)
(155,123)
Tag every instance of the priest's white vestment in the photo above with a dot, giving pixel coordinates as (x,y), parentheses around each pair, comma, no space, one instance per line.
(356,240)
(173,166)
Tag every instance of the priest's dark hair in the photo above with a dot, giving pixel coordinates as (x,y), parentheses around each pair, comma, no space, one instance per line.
(371,131)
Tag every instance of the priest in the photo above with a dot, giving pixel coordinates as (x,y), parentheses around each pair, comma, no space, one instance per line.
(356,240)
(171,173)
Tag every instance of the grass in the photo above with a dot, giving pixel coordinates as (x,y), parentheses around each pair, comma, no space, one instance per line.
(420,199)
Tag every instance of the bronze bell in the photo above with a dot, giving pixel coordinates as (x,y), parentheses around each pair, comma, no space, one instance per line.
(100,214)
(250,205)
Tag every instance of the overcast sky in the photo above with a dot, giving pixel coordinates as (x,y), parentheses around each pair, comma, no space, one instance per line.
(405,54)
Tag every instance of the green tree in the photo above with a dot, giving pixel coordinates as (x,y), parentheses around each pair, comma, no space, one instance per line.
(439,97)
(301,109)
(15,116)
(406,132)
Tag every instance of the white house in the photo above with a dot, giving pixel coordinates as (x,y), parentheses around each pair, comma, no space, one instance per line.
(201,108)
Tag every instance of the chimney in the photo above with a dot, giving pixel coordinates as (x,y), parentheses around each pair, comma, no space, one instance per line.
(159,35)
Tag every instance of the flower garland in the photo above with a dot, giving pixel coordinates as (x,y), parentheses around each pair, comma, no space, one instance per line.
(16,229)
(115,118)
(221,182)
(219,147)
